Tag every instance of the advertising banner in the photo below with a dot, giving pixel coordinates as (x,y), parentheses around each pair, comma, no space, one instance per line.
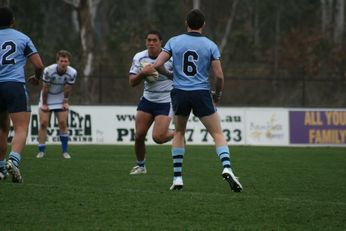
(232,123)
(267,126)
(116,125)
(326,127)
(81,123)
(241,126)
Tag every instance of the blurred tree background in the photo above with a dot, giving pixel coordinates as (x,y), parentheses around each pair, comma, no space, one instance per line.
(274,53)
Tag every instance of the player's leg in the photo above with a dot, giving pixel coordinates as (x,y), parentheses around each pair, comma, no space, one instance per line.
(205,110)
(144,119)
(42,132)
(20,122)
(17,105)
(4,129)
(178,151)
(161,132)
(143,122)
(19,110)
(63,131)
(213,125)
(182,109)
(163,116)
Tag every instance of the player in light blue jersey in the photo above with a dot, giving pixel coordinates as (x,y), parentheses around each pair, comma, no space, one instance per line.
(155,104)
(58,80)
(193,57)
(15,49)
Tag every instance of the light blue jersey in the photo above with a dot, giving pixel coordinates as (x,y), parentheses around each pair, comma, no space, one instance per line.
(192,56)
(15,48)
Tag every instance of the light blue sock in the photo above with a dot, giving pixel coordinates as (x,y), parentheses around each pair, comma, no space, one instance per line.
(224,155)
(15,157)
(178,156)
(3,166)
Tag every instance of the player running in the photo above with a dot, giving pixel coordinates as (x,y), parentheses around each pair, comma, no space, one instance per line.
(193,56)
(155,104)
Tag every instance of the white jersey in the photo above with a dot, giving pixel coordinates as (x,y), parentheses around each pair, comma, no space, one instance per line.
(159,91)
(56,84)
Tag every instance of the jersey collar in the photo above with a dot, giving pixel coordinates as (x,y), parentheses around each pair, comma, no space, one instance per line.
(194,34)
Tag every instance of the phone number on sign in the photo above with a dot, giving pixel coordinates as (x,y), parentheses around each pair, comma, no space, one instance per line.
(230,135)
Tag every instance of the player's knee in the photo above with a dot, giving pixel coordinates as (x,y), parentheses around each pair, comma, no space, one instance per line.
(4,130)
(62,125)
(139,138)
(43,124)
(159,138)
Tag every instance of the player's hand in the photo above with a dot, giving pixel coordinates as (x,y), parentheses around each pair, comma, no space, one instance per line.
(216,101)
(65,106)
(44,108)
(216,98)
(33,80)
(148,69)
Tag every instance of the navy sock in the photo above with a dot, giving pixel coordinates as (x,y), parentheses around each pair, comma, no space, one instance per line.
(141,163)
(42,147)
(64,141)
(224,155)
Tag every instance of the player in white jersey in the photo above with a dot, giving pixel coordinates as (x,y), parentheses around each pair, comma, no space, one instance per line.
(58,80)
(155,104)
(15,49)
(193,57)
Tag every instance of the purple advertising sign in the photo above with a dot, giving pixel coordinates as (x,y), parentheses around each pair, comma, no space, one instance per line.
(317,127)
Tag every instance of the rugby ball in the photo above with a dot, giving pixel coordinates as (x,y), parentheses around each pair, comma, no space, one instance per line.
(150,78)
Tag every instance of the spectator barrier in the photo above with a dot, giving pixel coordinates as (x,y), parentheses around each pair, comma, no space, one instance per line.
(241,126)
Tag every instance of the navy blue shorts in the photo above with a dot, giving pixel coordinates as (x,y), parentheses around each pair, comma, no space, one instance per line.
(14,97)
(199,101)
(154,108)
(57,110)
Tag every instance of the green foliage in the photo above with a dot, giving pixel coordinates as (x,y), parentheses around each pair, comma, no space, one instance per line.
(284,189)
(49,24)
(276,40)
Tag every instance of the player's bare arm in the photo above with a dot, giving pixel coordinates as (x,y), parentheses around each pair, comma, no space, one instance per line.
(67,92)
(36,61)
(134,80)
(162,70)
(219,80)
(44,106)
(161,59)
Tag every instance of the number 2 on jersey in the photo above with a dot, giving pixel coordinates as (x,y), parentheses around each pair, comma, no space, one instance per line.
(10,48)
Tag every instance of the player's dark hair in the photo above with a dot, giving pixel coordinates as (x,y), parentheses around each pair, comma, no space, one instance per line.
(6,17)
(63,53)
(155,32)
(195,19)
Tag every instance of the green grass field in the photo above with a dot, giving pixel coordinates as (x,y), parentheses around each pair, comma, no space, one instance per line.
(284,189)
